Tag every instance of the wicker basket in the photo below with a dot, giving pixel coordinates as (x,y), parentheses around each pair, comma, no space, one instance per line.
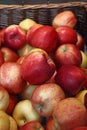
(43,13)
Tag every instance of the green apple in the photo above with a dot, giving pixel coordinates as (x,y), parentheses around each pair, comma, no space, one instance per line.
(26,24)
(84,60)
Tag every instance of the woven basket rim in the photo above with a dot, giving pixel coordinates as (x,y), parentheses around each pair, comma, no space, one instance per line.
(50,5)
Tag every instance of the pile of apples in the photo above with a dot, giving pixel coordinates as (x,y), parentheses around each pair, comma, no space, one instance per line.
(43,75)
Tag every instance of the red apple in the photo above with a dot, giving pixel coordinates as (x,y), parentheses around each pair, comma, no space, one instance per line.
(10,77)
(85,81)
(14,37)
(50,124)
(64,18)
(66,35)
(9,54)
(68,54)
(37,67)
(2,36)
(32,125)
(13,100)
(81,128)
(1,58)
(70,78)
(31,31)
(69,114)
(80,41)
(45,97)
(45,37)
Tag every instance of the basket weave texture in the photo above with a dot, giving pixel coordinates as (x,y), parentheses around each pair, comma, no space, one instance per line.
(43,13)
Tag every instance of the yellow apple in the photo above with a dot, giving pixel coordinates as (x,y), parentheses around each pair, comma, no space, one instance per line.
(24,112)
(13,124)
(4,121)
(80,96)
(84,60)
(26,24)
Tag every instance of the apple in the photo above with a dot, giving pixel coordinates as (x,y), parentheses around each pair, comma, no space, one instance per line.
(37,67)
(71,78)
(66,35)
(84,60)
(1,58)
(14,37)
(20,59)
(31,31)
(81,128)
(45,37)
(45,97)
(85,82)
(68,54)
(4,121)
(69,114)
(24,50)
(2,36)
(26,23)
(27,93)
(13,100)
(81,95)
(64,18)
(80,41)
(13,124)
(50,124)
(4,98)
(11,78)
(24,112)
(32,125)
(9,54)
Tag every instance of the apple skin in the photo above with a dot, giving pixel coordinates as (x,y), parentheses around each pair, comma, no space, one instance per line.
(10,77)
(24,112)
(1,58)
(66,35)
(68,54)
(31,31)
(37,64)
(4,121)
(45,37)
(80,41)
(45,97)
(64,18)
(69,114)
(50,124)
(70,78)
(4,98)
(2,36)
(32,125)
(81,128)
(9,54)
(84,60)
(14,37)
(13,124)
(13,100)
(27,23)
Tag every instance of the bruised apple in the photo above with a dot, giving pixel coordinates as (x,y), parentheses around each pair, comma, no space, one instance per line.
(45,97)
(14,37)
(68,54)
(32,125)
(70,78)
(65,18)
(69,114)
(37,67)
(10,77)
(45,37)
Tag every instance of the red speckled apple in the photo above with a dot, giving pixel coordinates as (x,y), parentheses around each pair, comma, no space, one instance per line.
(10,77)
(69,114)
(32,125)
(70,78)
(37,67)
(68,54)
(66,35)
(45,37)
(45,97)
(64,18)
(14,37)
